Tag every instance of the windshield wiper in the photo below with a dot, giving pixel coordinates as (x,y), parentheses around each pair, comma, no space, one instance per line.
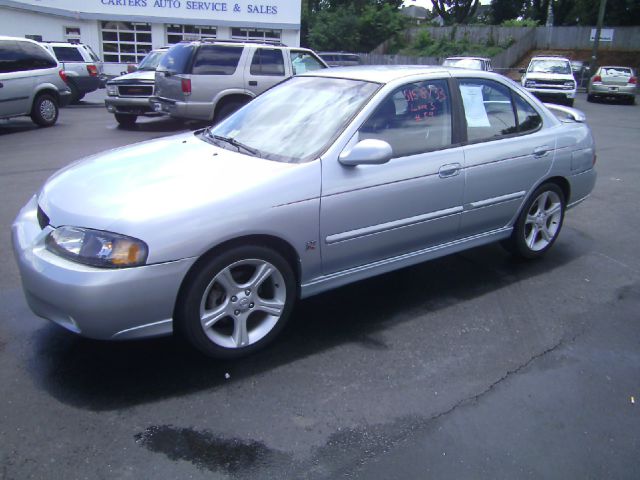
(237,144)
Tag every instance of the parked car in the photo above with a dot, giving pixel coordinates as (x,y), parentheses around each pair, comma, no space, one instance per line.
(210,79)
(83,67)
(326,179)
(32,82)
(473,63)
(580,71)
(128,95)
(614,82)
(340,59)
(550,78)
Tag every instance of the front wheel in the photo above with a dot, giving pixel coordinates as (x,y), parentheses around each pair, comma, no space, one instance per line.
(236,302)
(126,120)
(539,223)
(569,102)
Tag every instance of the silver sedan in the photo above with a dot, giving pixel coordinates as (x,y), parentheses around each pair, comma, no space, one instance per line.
(326,179)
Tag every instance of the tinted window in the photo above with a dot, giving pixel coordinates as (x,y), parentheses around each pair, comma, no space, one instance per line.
(415,118)
(9,56)
(528,119)
(216,60)
(304,62)
(68,54)
(488,110)
(267,62)
(23,56)
(176,59)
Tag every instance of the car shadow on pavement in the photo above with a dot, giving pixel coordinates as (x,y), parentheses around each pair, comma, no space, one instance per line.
(163,124)
(99,376)
(17,125)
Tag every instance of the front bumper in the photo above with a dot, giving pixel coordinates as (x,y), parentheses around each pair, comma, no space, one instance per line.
(94,302)
(131,106)
(552,93)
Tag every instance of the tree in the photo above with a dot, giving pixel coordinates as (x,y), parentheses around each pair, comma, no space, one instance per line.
(455,11)
(501,10)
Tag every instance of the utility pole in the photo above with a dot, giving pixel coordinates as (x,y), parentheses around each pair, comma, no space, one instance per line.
(596,40)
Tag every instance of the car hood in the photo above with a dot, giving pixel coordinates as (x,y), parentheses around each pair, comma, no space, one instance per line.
(163,182)
(139,75)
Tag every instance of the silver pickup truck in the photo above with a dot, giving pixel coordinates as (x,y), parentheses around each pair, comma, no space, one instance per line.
(128,95)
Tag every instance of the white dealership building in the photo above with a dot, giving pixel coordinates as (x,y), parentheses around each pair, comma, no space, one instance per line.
(123,31)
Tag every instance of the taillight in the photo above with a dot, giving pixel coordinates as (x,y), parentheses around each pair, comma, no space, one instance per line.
(186,86)
(597,78)
(63,75)
(633,80)
(93,70)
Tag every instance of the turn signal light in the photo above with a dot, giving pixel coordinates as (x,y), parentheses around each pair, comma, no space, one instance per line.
(633,80)
(186,86)
(93,70)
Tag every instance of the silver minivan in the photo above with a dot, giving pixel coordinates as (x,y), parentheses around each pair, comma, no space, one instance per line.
(210,79)
(31,82)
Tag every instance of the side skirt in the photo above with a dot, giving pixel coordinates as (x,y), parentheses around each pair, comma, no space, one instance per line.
(338,279)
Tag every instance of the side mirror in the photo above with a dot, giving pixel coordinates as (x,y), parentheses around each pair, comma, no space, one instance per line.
(367,152)
(522,70)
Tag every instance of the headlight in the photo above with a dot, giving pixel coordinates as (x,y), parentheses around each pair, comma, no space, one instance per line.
(569,84)
(97,248)
(112,90)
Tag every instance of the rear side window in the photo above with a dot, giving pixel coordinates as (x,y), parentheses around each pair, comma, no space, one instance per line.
(68,54)
(302,61)
(216,60)
(177,58)
(488,110)
(267,62)
(24,56)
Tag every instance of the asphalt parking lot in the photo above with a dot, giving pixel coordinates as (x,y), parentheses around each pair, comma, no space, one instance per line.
(472,366)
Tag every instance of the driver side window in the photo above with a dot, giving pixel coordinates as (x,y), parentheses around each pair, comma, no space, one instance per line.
(414,119)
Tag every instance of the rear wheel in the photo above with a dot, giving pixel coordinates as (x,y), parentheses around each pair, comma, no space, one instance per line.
(126,120)
(591,97)
(569,102)
(45,110)
(75,93)
(227,109)
(236,302)
(539,223)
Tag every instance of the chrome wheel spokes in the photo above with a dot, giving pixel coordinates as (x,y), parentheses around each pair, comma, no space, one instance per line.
(243,303)
(543,220)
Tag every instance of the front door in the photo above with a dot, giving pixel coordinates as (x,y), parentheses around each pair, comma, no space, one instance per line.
(376,212)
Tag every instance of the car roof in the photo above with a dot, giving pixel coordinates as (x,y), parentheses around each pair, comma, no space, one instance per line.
(549,57)
(6,37)
(383,73)
(615,66)
(465,58)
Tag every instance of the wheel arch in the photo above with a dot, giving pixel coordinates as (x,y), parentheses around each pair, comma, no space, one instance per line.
(277,244)
(46,89)
(561,182)
(230,96)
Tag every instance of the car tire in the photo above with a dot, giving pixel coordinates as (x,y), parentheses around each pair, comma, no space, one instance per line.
(44,111)
(75,93)
(539,223)
(227,109)
(591,97)
(631,100)
(126,120)
(569,102)
(236,302)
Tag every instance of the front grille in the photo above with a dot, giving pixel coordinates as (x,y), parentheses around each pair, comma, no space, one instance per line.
(43,220)
(135,90)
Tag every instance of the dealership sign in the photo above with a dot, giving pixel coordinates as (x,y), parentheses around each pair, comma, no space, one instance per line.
(272,11)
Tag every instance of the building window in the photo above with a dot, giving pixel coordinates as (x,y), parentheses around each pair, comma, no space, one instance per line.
(125,42)
(72,34)
(256,34)
(178,33)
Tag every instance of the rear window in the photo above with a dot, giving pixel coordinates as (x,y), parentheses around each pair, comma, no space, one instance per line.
(216,60)
(68,54)
(616,71)
(267,62)
(177,58)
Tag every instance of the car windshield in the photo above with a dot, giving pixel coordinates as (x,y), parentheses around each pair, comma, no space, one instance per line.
(296,120)
(151,61)
(470,63)
(550,66)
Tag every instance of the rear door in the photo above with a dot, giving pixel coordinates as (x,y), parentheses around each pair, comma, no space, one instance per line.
(507,153)
(266,69)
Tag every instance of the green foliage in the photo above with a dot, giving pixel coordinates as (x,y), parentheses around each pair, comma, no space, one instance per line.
(501,10)
(454,12)
(355,26)
(527,22)
(425,46)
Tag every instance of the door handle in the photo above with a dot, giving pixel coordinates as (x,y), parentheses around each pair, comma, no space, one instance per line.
(450,170)
(541,151)
(253,83)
